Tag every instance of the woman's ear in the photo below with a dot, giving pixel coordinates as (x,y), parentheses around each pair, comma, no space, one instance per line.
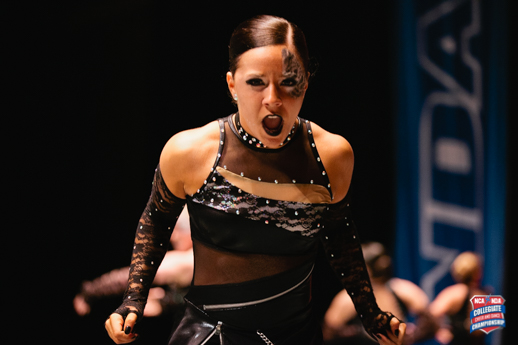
(230,82)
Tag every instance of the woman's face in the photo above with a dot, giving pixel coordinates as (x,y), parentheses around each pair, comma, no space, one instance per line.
(270,84)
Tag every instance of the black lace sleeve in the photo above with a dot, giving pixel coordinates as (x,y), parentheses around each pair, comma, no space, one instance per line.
(344,252)
(151,240)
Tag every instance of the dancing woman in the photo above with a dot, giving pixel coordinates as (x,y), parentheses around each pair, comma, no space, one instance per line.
(262,187)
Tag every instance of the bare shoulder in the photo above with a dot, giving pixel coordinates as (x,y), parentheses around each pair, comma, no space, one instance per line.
(338,159)
(411,294)
(186,155)
(449,300)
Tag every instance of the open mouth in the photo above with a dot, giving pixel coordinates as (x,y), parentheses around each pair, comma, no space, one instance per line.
(272,125)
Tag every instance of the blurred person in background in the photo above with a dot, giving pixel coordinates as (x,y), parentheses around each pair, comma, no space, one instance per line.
(406,300)
(171,281)
(452,305)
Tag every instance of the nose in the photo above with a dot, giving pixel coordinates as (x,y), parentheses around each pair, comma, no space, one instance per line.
(272,97)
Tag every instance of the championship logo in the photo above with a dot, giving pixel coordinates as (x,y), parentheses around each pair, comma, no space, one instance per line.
(488,313)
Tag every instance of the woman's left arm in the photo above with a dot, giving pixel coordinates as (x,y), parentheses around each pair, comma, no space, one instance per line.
(342,243)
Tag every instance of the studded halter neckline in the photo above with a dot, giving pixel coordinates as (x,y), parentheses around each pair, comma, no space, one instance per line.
(252,141)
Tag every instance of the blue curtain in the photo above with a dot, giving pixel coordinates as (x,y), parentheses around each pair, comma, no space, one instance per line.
(451,167)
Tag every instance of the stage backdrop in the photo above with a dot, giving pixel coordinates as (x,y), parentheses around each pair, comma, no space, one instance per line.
(451,139)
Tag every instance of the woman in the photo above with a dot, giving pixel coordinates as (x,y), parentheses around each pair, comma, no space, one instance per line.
(452,305)
(341,323)
(260,195)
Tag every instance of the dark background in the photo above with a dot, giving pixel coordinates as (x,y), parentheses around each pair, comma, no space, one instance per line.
(104,85)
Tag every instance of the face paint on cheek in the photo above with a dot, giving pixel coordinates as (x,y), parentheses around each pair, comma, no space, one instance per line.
(291,68)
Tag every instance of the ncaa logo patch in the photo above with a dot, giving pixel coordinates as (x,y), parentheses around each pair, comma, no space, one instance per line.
(487,314)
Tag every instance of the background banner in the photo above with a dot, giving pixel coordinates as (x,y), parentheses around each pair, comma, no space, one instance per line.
(451,139)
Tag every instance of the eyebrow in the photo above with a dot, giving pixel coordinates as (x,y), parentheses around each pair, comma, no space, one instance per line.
(254,75)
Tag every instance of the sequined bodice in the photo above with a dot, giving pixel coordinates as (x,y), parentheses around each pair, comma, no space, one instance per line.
(259,201)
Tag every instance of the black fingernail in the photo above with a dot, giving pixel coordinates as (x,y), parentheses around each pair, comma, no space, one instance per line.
(127,330)
(396,332)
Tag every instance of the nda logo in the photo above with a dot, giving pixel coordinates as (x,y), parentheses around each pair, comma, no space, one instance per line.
(488,313)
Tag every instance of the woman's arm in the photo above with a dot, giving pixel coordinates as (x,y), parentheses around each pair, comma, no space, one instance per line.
(151,239)
(342,243)
(184,163)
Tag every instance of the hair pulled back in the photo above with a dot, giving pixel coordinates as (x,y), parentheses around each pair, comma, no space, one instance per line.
(265,30)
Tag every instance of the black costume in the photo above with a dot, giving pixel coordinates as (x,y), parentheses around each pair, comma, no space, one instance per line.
(264,201)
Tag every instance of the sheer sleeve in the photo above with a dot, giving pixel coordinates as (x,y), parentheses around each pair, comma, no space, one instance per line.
(343,250)
(151,240)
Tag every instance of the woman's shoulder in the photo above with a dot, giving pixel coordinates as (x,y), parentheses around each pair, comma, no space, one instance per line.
(189,140)
(338,159)
(187,154)
(331,143)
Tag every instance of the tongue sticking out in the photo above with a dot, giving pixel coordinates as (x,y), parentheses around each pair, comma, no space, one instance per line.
(272,124)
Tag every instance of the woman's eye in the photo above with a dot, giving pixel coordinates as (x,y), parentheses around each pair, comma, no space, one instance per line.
(255,82)
(289,82)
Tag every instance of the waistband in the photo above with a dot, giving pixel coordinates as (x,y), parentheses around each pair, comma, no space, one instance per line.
(277,300)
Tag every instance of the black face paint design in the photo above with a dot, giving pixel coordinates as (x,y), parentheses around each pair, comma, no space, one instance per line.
(292,69)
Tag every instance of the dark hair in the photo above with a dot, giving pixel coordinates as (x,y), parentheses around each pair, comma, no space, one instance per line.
(265,30)
(377,260)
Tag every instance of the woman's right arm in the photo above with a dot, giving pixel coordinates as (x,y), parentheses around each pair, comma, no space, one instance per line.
(151,240)
(184,163)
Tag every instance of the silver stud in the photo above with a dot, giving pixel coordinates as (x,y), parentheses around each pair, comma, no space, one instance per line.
(266,222)
(237,211)
(259,178)
(276,181)
(323,172)
(267,202)
(332,255)
(293,181)
(311,181)
(296,213)
(242,174)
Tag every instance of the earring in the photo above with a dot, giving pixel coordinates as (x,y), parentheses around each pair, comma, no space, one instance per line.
(235,97)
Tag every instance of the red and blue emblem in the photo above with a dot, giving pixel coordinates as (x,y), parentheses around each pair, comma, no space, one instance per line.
(487,314)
